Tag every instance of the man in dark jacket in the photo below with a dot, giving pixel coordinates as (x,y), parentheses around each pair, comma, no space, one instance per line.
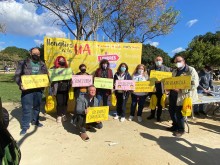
(30,98)
(158,66)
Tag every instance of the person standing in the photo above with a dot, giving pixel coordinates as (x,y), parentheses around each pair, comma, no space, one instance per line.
(140,74)
(30,98)
(104,72)
(60,90)
(177,96)
(121,96)
(158,66)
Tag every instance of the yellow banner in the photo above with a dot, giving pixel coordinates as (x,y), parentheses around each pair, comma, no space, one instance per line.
(159,75)
(96,114)
(144,86)
(35,81)
(104,83)
(180,82)
(91,52)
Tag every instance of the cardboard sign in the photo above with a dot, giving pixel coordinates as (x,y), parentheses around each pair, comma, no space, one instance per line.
(125,85)
(159,75)
(82,80)
(144,86)
(180,82)
(60,74)
(35,81)
(105,83)
(97,114)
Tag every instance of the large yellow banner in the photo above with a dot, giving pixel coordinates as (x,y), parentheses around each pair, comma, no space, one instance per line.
(91,52)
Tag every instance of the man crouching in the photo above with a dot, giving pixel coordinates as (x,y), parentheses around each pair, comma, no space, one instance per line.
(82,104)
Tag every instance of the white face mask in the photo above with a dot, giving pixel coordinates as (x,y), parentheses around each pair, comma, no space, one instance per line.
(158,63)
(140,71)
(179,64)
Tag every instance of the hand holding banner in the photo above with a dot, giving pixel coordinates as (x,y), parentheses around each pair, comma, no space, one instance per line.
(159,75)
(125,85)
(144,86)
(104,83)
(97,114)
(82,80)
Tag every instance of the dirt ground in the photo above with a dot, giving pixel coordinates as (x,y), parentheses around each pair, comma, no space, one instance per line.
(127,143)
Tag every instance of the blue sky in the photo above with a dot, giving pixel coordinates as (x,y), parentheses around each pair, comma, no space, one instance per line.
(26,29)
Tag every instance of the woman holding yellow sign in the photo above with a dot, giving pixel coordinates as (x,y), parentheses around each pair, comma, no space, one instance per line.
(140,74)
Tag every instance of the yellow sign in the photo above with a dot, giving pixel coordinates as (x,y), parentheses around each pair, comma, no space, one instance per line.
(35,81)
(180,82)
(104,83)
(144,86)
(91,52)
(159,75)
(97,114)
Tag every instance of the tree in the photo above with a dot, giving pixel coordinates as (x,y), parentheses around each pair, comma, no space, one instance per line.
(149,53)
(13,54)
(139,20)
(83,15)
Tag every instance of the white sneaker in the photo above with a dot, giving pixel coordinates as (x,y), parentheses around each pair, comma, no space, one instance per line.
(116,117)
(122,119)
(139,119)
(131,118)
(59,119)
(64,118)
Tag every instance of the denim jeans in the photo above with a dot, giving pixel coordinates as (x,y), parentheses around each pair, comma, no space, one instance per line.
(30,100)
(140,100)
(101,95)
(122,99)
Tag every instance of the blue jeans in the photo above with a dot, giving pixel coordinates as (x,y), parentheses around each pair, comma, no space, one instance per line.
(30,101)
(101,95)
(140,100)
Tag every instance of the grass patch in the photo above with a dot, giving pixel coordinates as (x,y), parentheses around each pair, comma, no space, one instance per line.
(9,91)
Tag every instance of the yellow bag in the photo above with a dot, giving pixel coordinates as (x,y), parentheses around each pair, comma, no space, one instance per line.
(51,104)
(163,100)
(187,107)
(114,100)
(153,102)
(71,94)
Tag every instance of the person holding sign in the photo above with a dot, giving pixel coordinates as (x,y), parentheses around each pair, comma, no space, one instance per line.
(122,96)
(177,96)
(30,98)
(104,72)
(81,90)
(82,104)
(158,66)
(140,74)
(60,89)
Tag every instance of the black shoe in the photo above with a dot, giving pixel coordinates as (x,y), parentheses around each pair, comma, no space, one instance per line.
(202,112)
(159,119)
(178,133)
(171,129)
(150,117)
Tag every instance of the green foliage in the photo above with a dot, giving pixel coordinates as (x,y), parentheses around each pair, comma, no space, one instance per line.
(149,53)
(13,53)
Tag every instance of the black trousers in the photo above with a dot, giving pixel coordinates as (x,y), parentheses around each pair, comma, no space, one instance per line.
(122,99)
(62,98)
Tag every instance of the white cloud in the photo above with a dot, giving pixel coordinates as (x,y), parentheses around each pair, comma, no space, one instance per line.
(177,50)
(38,42)
(192,22)
(155,44)
(21,18)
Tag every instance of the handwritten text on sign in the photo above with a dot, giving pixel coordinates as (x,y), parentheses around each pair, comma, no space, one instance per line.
(35,81)
(82,80)
(159,75)
(180,82)
(125,85)
(105,83)
(97,114)
(60,74)
(144,86)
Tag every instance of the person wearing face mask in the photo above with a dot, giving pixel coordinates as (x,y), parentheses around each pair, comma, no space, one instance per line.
(158,66)
(60,89)
(177,96)
(81,90)
(205,84)
(30,98)
(140,74)
(121,96)
(104,72)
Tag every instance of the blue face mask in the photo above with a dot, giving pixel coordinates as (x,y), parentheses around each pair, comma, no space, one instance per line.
(123,69)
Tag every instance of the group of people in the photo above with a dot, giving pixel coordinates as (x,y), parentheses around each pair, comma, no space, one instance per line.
(91,97)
